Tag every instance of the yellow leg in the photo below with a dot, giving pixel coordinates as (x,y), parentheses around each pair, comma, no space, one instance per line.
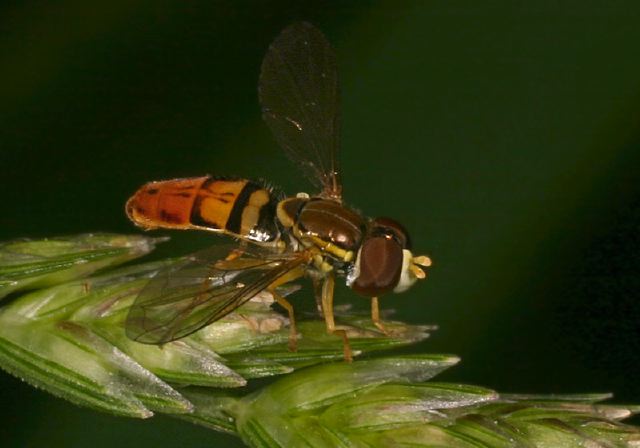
(327,309)
(317,293)
(293,334)
(375,316)
(288,277)
(233,254)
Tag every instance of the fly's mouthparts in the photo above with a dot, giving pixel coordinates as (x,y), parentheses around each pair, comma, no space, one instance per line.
(419,273)
(422,260)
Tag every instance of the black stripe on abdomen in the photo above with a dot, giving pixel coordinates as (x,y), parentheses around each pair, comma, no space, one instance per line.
(234,223)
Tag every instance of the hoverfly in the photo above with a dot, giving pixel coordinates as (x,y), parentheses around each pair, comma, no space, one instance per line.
(281,238)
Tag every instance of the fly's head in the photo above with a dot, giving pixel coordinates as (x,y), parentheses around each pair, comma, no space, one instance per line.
(384,262)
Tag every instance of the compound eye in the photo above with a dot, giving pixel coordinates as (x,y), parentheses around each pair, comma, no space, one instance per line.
(380,266)
(392,227)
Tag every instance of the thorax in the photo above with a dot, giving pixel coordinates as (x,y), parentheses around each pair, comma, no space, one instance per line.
(324,224)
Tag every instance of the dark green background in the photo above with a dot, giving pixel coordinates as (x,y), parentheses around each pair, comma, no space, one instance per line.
(504,135)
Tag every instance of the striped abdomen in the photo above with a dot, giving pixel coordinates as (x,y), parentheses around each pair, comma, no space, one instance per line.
(239,207)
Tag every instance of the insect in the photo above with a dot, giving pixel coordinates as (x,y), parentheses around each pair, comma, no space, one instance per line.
(281,239)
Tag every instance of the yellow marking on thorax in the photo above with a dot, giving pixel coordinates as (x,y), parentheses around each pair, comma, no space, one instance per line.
(344,255)
(283,216)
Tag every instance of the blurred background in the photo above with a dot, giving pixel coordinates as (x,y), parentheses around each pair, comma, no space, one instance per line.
(504,135)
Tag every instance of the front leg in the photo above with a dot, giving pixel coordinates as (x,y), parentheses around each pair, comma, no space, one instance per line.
(375,316)
(327,309)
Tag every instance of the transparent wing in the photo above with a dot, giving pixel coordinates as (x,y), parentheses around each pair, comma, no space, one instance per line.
(201,289)
(299,95)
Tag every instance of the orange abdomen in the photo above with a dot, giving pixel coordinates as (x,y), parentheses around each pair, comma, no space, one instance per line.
(239,207)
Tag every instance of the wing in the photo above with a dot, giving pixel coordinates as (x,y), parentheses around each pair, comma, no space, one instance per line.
(299,95)
(203,288)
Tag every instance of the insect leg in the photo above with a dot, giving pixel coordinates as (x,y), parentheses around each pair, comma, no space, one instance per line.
(233,254)
(293,334)
(375,316)
(327,308)
(289,277)
(317,293)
